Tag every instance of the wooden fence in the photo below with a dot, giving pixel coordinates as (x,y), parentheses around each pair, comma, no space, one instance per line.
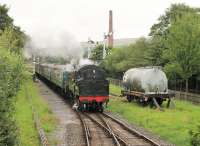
(116,82)
(194,98)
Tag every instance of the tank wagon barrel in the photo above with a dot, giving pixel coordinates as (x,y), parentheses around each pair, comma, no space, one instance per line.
(146,85)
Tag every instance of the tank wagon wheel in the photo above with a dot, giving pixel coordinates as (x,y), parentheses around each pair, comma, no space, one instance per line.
(151,104)
(129,98)
(145,103)
(34,77)
(159,101)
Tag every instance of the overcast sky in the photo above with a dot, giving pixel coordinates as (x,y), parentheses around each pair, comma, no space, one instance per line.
(89,18)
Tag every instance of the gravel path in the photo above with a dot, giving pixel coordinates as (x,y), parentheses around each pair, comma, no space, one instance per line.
(68,131)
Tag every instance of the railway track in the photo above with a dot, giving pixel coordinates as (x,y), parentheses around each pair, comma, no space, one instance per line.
(131,136)
(94,135)
(103,129)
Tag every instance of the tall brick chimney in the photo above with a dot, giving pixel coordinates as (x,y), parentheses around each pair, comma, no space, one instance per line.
(110,33)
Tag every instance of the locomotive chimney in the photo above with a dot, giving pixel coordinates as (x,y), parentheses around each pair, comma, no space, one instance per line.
(110,33)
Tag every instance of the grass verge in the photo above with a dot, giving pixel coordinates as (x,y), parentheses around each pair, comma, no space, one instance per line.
(115,89)
(27,133)
(172,124)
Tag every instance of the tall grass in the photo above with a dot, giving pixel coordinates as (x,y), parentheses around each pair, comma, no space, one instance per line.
(27,133)
(172,124)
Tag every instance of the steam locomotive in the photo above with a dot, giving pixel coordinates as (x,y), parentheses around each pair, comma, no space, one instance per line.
(86,86)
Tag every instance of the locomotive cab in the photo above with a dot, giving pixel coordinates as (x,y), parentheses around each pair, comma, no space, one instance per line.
(93,87)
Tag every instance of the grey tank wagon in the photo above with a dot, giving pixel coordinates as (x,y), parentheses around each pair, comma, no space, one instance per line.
(147,85)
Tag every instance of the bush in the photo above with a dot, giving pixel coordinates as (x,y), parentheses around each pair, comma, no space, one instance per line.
(11,68)
(195,136)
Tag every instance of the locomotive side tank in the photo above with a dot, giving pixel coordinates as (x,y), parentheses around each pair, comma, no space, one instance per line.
(145,83)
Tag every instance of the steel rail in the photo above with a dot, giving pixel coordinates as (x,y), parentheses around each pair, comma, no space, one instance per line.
(86,129)
(111,131)
(107,130)
(133,131)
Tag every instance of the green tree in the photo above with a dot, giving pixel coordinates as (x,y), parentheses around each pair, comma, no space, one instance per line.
(138,53)
(183,43)
(156,48)
(5,19)
(113,62)
(172,14)
(121,59)
(97,53)
(13,39)
(160,30)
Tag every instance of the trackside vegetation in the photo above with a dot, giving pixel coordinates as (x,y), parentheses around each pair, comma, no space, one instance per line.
(174,125)
(11,75)
(11,67)
(16,121)
(27,132)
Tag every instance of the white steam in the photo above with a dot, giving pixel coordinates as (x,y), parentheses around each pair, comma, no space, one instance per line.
(85,62)
(53,43)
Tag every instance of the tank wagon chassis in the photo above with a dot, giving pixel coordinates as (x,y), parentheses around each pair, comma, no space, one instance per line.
(155,99)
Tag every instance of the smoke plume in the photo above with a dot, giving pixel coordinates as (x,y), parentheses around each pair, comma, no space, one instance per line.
(53,43)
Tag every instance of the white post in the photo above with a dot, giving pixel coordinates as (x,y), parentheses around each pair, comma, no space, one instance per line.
(104,50)
(89,52)
(104,46)
(34,64)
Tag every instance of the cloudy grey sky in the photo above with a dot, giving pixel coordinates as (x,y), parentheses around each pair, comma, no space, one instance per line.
(89,18)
